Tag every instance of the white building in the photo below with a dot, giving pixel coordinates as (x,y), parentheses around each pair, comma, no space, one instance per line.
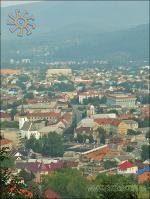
(29,129)
(123,100)
(106,115)
(127,167)
(26,61)
(91,111)
(22,120)
(86,95)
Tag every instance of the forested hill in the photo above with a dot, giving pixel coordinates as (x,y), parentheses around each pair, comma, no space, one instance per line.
(83,31)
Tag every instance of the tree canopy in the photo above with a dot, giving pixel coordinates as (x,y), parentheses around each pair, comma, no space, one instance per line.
(48,145)
(145,149)
(70,183)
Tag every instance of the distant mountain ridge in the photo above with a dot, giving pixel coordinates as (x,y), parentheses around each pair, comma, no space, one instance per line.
(130,44)
(65,32)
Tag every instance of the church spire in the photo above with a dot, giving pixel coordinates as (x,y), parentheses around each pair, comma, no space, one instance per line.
(22,112)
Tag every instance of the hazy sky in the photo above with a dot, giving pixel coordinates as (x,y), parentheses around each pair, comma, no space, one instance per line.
(5,3)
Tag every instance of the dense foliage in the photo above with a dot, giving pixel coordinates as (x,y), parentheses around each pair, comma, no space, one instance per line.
(48,145)
(108,164)
(70,183)
(10,184)
(145,152)
(9,124)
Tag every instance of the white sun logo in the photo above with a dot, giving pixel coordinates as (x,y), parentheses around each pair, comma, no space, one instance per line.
(21,22)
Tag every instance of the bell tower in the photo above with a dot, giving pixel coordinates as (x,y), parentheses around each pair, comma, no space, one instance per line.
(22,117)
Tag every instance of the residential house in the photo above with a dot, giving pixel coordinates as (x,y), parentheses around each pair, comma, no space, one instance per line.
(67,119)
(16,154)
(6,143)
(96,154)
(131,124)
(83,131)
(4,117)
(125,116)
(10,72)
(51,128)
(13,135)
(127,168)
(39,168)
(143,174)
(59,71)
(145,111)
(112,125)
(39,107)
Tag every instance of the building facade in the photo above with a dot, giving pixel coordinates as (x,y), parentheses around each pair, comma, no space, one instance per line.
(123,100)
(59,71)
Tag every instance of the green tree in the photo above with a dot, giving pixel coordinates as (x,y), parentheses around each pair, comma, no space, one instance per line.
(35,189)
(115,186)
(147,135)
(29,95)
(10,184)
(52,145)
(13,113)
(80,138)
(90,137)
(64,87)
(9,124)
(34,144)
(48,145)
(26,175)
(113,111)
(144,123)
(145,150)
(110,164)
(75,100)
(23,78)
(133,132)
(69,183)
(129,148)
(21,85)
(102,135)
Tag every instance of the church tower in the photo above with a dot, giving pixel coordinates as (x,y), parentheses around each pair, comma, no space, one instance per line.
(22,117)
(91,111)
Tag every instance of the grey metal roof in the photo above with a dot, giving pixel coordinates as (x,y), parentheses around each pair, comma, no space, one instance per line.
(29,126)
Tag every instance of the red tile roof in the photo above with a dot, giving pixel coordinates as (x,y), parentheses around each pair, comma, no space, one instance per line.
(25,192)
(63,121)
(115,122)
(42,167)
(4,141)
(44,114)
(49,194)
(10,71)
(67,116)
(126,165)
(98,154)
(4,115)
